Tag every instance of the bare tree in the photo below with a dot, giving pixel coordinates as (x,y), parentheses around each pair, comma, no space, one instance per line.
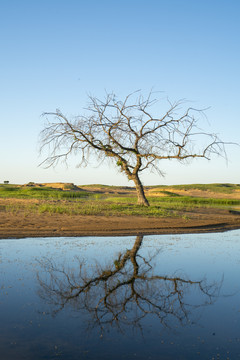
(124,292)
(127,133)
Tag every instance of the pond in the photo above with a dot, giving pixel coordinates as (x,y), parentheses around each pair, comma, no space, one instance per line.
(151,297)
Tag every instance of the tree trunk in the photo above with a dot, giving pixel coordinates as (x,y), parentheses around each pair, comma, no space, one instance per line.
(142,200)
(133,254)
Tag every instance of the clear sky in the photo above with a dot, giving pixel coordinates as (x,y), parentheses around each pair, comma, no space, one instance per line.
(55,52)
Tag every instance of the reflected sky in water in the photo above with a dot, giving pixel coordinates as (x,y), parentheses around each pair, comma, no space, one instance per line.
(151,297)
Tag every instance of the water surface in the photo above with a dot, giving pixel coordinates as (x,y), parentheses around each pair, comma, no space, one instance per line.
(151,297)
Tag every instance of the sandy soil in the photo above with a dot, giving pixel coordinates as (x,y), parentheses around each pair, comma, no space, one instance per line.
(21,225)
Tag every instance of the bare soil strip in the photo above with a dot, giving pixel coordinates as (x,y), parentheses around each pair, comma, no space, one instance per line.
(20,225)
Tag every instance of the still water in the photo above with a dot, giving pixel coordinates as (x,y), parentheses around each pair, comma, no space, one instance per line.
(152,297)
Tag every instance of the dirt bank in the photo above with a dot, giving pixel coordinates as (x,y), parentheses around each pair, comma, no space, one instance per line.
(20,225)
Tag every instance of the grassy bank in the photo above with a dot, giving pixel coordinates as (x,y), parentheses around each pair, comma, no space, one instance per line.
(22,192)
(113,201)
(225,188)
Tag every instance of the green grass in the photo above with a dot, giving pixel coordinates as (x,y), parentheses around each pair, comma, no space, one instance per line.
(39,193)
(197,201)
(52,201)
(219,188)
(103,208)
(215,187)
(127,206)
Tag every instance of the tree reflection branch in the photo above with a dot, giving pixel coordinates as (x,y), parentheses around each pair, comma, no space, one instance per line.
(125,292)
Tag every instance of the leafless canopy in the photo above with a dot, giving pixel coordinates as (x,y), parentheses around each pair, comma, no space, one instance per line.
(127,133)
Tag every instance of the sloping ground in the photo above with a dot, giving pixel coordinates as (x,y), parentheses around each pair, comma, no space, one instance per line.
(58,185)
(104,189)
(230,190)
(195,193)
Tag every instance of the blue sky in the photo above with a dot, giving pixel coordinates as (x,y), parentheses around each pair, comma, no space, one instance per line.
(55,52)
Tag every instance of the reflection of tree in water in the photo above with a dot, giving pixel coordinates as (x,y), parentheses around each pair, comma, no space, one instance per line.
(125,292)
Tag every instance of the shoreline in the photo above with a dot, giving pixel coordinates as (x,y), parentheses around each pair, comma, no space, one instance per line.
(118,234)
(18,226)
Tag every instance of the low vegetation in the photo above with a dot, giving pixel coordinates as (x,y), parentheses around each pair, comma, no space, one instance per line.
(217,188)
(116,201)
(35,192)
